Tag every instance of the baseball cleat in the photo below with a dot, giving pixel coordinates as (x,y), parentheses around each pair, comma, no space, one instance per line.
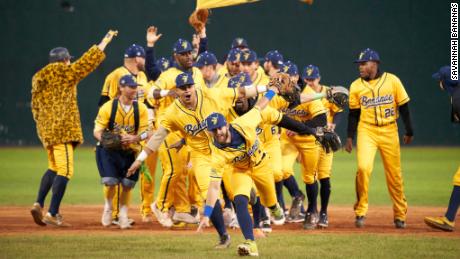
(265,226)
(184,217)
(106,218)
(116,221)
(37,214)
(296,205)
(123,222)
(401,224)
(359,222)
(277,215)
(441,223)
(323,221)
(57,221)
(248,248)
(147,218)
(310,221)
(224,242)
(234,224)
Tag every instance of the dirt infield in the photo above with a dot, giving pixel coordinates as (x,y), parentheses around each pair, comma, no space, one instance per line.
(85,220)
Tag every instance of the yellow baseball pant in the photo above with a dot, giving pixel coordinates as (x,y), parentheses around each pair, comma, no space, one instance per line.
(174,164)
(309,153)
(60,159)
(457,177)
(324,164)
(262,175)
(273,149)
(386,140)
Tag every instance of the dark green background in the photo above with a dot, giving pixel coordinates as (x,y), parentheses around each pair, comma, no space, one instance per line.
(412,38)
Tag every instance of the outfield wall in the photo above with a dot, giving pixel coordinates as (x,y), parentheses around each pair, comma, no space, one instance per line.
(411,36)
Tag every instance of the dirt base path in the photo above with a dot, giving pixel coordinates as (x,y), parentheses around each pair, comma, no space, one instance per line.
(85,220)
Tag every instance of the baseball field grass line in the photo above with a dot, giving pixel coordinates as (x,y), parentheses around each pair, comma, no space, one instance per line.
(185,246)
(427,176)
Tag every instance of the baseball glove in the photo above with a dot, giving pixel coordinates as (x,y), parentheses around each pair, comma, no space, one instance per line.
(338,95)
(198,19)
(329,140)
(286,87)
(110,141)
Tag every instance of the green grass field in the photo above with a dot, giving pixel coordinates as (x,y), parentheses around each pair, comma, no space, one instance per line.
(427,175)
(428,181)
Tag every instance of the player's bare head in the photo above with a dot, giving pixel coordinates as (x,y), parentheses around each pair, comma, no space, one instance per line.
(183,53)
(273,61)
(207,63)
(218,128)
(249,62)
(311,75)
(135,56)
(128,87)
(233,61)
(185,89)
(368,63)
(59,54)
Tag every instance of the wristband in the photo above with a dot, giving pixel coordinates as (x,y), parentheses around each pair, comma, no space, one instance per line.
(142,156)
(270,94)
(144,135)
(164,93)
(208,211)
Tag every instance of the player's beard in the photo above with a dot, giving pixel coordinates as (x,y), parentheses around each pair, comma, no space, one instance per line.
(222,137)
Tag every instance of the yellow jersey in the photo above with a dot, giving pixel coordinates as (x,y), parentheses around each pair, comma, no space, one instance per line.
(249,153)
(192,124)
(112,80)
(378,99)
(124,122)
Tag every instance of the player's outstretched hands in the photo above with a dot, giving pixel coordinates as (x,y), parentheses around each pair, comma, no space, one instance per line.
(133,168)
(349,145)
(152,36)
(107,39)
(203,224)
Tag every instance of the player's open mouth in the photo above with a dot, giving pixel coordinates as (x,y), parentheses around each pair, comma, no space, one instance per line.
(187,96)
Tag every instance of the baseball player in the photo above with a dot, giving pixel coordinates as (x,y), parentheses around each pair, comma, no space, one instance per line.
(56,114)
(273,62)
(207,63)
(173,161)
(127,118)
(376,100)
(237,144)
(232,65)
(447,222)
(312,78)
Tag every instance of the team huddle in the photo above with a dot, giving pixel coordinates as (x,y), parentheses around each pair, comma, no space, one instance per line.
(227,135)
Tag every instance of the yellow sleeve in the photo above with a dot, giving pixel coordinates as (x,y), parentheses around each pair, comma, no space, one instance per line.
(103,117)
(353,101)
(278,103)
(110,87)
(401,96)
(225,96)
(143,118)
(168,119)
(315,107)
(250,120)
(161,82)
(271,115)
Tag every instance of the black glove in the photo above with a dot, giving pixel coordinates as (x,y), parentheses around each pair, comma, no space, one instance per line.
(110,140)
(329,140)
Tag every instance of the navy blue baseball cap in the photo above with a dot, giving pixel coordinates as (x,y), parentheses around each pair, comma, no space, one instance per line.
(240,80)
(310,72)
(275,57)
(289,68)
(368,55)
(239,43)
(135,51)
(215,121)
(182,46)
(163,63)
(248,56)
(234,55)
(59,54)
(128,80)
(206,58)
(444,75)
(184,79)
